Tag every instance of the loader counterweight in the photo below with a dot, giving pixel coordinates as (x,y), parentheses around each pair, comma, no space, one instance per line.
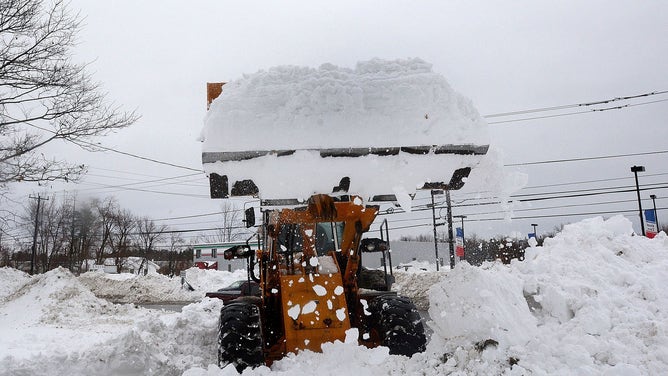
(316,311)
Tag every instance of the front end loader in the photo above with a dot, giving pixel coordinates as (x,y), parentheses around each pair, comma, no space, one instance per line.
(309,270)
(286,136)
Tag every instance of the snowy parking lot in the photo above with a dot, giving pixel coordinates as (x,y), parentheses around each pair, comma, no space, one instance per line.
(592,300)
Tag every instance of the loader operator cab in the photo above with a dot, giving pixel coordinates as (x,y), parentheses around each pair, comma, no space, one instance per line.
(324,237)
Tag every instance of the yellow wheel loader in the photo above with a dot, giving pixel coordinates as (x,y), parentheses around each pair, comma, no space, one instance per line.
(308,261)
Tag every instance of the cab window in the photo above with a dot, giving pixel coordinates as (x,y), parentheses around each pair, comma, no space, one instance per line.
(328,236)
(290,239)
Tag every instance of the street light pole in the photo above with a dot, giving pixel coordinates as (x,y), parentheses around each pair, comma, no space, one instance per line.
(656,216)
(535,234)
(635,170)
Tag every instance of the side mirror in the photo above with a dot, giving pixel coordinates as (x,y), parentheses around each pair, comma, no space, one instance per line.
(238,251)
(373,245)
(249,214)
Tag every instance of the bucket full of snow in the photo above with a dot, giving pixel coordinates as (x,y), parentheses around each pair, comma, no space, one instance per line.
(390,127)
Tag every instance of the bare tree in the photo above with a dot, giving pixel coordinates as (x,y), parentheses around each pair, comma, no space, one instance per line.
(231,226)
(124,223)
(149,233)
(44,95)
(51,228)
(5,254)
(105,215)
(87,229)
(176,244)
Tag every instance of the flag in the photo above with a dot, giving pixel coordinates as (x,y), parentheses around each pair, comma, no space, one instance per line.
(459,242)
(650,223)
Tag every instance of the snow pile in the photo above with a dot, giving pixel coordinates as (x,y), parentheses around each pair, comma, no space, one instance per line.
(43,313)
(158,288)
(12,280)
(415,283)
(472,305)
(54,325)
(212,280)
(600,298)
(590,301)
(378,104)
(132,288)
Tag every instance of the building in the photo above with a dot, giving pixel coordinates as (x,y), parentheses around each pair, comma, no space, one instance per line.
(403,252)
(134,265)
(210,256)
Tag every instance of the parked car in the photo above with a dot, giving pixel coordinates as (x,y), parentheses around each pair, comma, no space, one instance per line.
(237,289)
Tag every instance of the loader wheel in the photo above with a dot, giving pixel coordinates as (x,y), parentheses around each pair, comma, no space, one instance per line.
(240,336)
(396,322)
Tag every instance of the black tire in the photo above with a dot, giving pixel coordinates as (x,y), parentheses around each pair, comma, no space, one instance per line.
(240,336)
(397,324)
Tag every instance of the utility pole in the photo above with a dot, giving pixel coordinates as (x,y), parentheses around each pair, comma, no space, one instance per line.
(33,259)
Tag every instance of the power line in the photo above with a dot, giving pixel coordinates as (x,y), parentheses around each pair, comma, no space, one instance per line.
(586,158)
(591,181)
(200,215)
(576,113)
(149,191)
(99,146)
(645,186)
(575,105)
(554,196)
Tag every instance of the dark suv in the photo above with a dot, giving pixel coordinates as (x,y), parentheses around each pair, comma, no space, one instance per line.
(235,290)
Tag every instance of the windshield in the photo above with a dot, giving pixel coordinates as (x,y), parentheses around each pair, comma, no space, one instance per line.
(328,236)
(290,239)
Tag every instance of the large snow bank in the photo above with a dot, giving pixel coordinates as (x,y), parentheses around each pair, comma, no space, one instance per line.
(42,308)
(132,288)
(379,104)
(590,301)
(158,288)
(54,325)
(599,295)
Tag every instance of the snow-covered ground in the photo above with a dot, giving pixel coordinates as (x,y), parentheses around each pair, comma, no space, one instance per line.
(591,301)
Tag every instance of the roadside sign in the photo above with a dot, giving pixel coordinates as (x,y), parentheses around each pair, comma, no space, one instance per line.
(459,243)
(650,223)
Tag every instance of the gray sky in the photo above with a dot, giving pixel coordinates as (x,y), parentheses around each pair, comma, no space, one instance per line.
(533,54)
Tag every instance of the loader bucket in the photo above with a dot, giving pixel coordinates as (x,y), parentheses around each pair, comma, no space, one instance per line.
(384,128)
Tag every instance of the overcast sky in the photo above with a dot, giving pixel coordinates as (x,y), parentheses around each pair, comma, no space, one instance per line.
(532,55)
